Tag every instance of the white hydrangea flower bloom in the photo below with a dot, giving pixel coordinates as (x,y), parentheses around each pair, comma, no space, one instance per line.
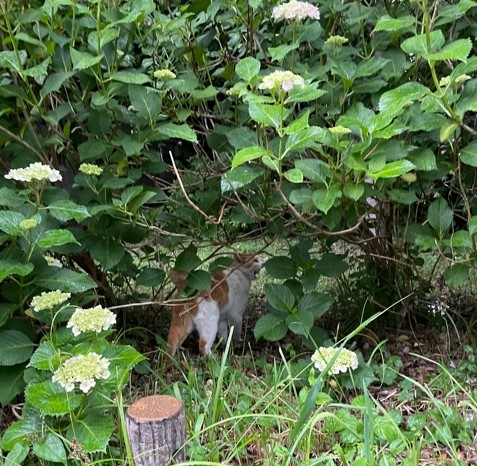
(49,300)
(82,369)
(284,80)
(295,10)
(345,360)
(34,172)
(164,74)
(90,169)
(339,130)
(95,319)
(53,261)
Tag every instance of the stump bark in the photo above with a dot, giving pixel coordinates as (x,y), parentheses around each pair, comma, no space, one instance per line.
(156,430)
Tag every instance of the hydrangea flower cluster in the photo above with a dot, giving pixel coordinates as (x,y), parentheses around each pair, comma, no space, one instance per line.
(34,172)
(49,300)
(284,80)
(53,261)
(164,74)
(295,10)
(90,169)
(28,224)
(95,319)
(339,130)
(345,359)
(82,369)
(337,41)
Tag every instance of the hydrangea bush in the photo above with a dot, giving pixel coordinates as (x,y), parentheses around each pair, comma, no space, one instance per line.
(129,134)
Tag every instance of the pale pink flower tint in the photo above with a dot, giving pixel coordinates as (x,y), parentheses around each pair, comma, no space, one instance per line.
(295,11)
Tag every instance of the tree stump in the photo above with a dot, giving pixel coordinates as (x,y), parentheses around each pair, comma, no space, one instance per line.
(156,430)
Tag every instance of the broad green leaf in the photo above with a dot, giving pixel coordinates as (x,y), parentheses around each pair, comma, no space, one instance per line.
(52,238)
(387,23)
(38,72)
(313,169)
(451,12)
(281,267)
(108,252)
(10,198)
(66,210)
(10,267)
(98,41)
(456,275)
(303,197)
(241,137)
(84,60)
(17,455)
(199,280)
(398,98)
(240,176)
(393,169)
(10,221)
(247,68)
(45,357)
(188,260)
(9,60)
(298,124)
(294,175)
(200,95)
(331,265)
(370,66)
(19,432)
(279,297)
(51,398)
(426,242)
(54,82)
(171,130)
(472,225)
(402,197)
(249,153)
(468,154)
(304,139)
(67,281)
(92,149)
(271,163)
(150,277)
(271,327)
(280,52)
(314,302)
(11,385)
(457,50)
(93,432)
(353,191)
(15,347)
(51,449)
(417,45)
(440,216)
(146,102)
(123,358)
(423,159)
(459,239)
(267,115)
(304,94)
(324,198)
(447,130)
(130,77)
(301,322)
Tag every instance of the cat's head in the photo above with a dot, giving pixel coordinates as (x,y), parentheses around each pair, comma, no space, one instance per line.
(249,264)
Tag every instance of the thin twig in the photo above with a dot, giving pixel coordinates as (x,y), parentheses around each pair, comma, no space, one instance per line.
(196,208)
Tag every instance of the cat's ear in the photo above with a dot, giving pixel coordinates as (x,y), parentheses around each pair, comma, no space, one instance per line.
(240,258)
(178,278)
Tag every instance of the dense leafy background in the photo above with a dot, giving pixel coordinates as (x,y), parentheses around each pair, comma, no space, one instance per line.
(378,149)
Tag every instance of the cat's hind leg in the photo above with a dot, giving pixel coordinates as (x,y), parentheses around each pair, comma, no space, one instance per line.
(181,326)
(206,322)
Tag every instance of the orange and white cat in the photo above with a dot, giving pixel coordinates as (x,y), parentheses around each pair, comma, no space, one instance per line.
(215,311)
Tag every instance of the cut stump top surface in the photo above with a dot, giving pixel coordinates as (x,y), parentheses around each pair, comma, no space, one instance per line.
(154,407)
